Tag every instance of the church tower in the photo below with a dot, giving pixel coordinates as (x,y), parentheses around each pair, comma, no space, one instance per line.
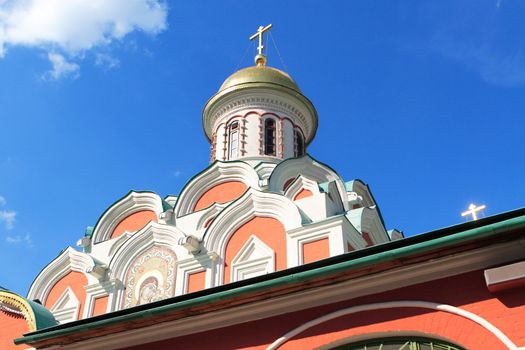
(259,113)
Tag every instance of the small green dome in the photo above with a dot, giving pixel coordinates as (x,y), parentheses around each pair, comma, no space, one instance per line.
(259,74)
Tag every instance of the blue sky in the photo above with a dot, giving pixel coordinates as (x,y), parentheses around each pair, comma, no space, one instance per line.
(422,100)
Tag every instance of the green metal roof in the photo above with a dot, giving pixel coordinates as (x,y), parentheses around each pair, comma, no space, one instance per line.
(43,317)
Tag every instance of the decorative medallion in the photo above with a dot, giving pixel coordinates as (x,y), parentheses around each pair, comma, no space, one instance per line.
(151,277)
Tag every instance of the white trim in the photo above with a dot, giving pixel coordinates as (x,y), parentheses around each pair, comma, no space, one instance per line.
(67,307)
(132,203)
(99,290)
(309,168)
(361,190)
(301,183)
(209,213)
(252,204)
(397,304)
(216,174)
(68,260)
(244,264)
(265,169)
(368,220)
(153,234)
(195,264)
(262,99)
(335,229)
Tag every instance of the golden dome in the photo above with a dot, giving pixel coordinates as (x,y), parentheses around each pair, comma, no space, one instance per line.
(261,75)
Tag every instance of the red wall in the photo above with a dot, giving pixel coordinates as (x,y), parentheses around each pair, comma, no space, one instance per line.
(77,281)
(11,327)
(134,222)
(222,193)
(506,311)
(259,227)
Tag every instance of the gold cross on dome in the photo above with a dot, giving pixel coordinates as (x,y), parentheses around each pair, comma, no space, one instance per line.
(473,210)
(259,34)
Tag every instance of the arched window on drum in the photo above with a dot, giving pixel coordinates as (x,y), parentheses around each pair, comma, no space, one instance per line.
(233,137)
(298,143)
(269,137)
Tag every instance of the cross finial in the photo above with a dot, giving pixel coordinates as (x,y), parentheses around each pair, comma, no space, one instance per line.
(260,59)
(473,210)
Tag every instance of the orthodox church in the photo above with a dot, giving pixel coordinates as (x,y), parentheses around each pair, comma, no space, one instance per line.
(269,248)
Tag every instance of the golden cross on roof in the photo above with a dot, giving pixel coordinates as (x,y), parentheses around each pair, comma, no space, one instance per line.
(473,210)
(260,59)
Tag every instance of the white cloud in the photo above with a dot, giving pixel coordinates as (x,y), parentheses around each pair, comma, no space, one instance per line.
(8,217)
(106,61)
(61,67)
(71,27)
(177,173)
(2,201)
(20,239)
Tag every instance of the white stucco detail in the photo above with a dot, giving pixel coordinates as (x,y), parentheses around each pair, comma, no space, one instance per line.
(133,202)
(398,304)
(216,174)
(67,307)
(254,259)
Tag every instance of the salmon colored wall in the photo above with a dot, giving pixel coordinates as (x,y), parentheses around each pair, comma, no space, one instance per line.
(467,291)
(134,222)
(268,230)
(101,305)
(77,281)
(316,250)
(222,193)
(196,281)
(303,194)
(12,327)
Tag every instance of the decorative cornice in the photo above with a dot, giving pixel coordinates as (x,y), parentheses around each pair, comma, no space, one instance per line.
(68,260)
(217,173)
(269,101)
(17,306)
(129,204)
(253,203)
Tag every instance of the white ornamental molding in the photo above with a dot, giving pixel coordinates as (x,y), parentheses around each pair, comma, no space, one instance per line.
(253,203)
(66,307)
(132,203)
(199,263)
(153,234)
(309,168)
(209,213)
(269,101)
(359,189)
(394,305)
(68,260)
(216,174)
(299,184)
(368,220)
(265,169)
(254,259)
(99,290)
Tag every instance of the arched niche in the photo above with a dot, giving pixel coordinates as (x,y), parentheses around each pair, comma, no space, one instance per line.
(285,172)
(226,174)
(130,213)
(253,208)
(131,264)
